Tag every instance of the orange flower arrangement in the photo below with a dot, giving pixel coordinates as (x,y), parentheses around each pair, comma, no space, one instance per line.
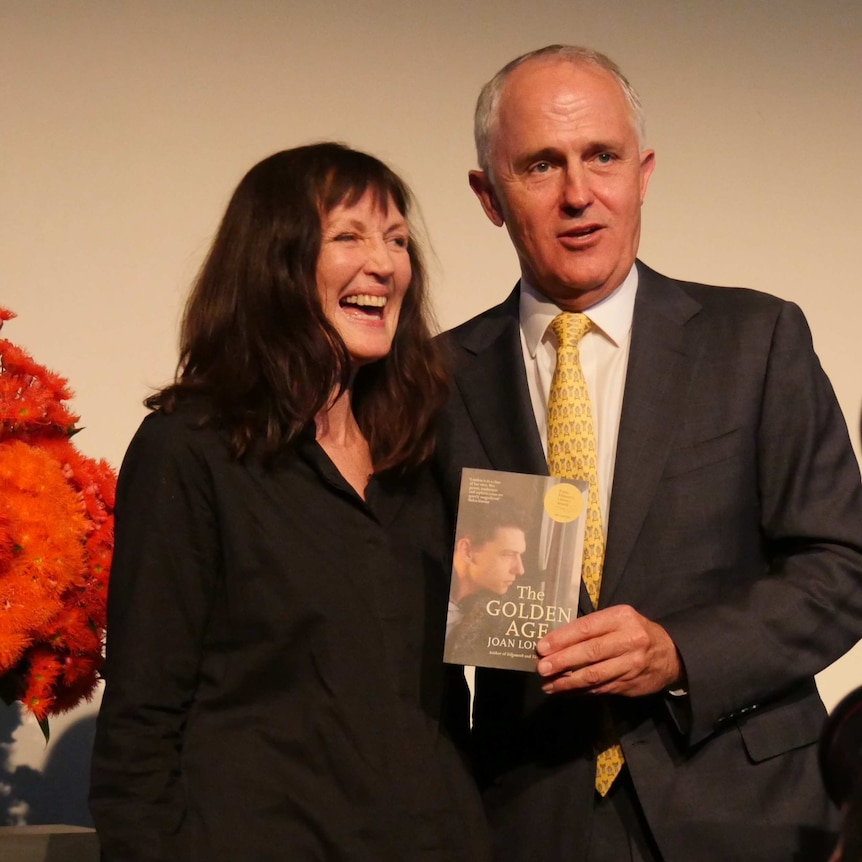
(56,541)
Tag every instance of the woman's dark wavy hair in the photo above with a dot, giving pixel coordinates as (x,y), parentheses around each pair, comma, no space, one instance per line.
(255,340)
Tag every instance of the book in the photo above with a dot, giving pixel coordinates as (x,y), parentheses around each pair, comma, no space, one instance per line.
(516,567)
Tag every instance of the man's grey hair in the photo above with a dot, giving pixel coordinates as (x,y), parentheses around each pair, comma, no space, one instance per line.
(487,107)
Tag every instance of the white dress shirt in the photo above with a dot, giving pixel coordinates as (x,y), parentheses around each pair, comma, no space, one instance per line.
(604,352)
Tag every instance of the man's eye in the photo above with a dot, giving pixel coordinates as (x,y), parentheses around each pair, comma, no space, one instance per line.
(540,168)
(605,158)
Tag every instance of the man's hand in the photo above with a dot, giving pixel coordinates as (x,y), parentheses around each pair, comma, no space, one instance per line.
(611,651)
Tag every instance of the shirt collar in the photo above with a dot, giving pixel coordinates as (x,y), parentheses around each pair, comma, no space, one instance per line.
(612,315)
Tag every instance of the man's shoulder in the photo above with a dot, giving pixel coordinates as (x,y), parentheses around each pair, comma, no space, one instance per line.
(711,298)
(487,323)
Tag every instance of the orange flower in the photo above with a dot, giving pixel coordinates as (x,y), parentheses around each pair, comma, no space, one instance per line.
(56,541)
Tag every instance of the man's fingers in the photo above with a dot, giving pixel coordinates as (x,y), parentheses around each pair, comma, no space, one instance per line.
(613,651)
(603,678)
(584,629)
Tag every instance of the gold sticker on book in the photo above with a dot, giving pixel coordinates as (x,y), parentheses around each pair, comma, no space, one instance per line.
(564,502)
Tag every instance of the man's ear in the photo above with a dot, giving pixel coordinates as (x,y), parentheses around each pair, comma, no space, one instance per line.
(464,546)
(480,182)
(647,167)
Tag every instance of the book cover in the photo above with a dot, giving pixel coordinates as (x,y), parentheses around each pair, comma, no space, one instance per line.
(516,568)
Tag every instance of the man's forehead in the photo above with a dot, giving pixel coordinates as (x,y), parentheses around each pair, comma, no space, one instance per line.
(549,97)
(558,78)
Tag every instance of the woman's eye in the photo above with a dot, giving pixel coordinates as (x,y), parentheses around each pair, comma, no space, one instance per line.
(345,237)
(399,241)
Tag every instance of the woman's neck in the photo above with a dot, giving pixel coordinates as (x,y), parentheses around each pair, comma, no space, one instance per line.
(340,436)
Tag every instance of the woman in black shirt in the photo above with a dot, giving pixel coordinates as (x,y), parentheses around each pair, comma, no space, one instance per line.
(274,685)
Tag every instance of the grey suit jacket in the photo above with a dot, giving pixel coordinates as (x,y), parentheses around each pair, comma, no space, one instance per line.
(736,523)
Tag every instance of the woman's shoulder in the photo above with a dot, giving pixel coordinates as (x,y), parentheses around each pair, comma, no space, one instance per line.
(186,432)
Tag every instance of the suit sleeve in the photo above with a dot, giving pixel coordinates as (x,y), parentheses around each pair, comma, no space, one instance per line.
(162,585)
(771,633)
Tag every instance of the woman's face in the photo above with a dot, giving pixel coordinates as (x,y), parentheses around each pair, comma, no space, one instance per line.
(363,271)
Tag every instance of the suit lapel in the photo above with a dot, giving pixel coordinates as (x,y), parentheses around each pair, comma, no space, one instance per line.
(495,393)
(661,364)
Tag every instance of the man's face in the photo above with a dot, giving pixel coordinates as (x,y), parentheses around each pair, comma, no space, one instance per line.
(495,564)
(567,178)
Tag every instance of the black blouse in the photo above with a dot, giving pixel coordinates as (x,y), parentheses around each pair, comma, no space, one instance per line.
(275,688)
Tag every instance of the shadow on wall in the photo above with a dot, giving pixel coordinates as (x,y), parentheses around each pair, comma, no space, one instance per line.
(57,793)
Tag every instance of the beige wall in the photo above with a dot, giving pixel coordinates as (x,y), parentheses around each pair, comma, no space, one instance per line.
(125,126)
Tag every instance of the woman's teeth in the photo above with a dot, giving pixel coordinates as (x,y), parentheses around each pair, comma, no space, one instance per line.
(365,299)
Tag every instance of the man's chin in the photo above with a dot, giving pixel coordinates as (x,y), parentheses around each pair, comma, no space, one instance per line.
(578,296)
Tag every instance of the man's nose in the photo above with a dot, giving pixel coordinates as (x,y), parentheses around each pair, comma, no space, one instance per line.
(519,566)
(577,190)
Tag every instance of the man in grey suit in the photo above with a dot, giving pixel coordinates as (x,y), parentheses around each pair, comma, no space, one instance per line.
(728,493)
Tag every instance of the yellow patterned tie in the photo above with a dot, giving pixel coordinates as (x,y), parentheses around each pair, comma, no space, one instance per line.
(572,455)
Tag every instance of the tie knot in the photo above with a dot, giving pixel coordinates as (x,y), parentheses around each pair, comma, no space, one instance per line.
(570,327)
